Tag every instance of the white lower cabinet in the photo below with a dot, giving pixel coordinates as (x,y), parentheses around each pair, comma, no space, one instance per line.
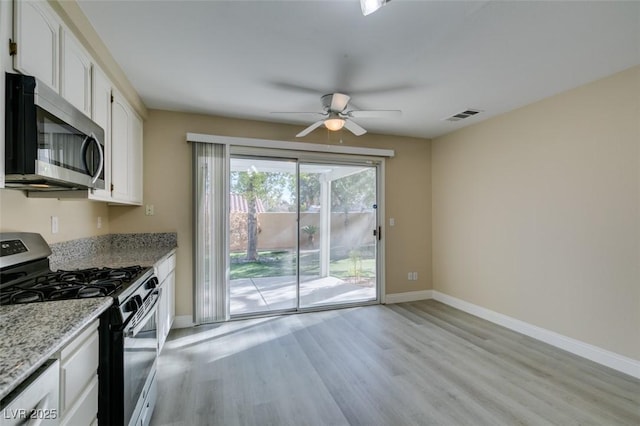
(166,273)
(79,379)
(35,401)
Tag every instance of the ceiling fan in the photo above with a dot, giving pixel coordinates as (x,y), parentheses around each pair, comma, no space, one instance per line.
(337,116)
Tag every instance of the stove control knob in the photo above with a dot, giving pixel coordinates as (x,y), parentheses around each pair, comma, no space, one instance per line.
(132,305)
(151,284)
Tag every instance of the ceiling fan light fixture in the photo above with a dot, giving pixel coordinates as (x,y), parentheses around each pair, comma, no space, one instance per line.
(334,124)
(370,6)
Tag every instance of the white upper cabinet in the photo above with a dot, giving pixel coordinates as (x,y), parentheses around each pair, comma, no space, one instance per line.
(75,71)
(126,152)
(120,129)
(135,171)
(37,37)
(48,50)
(101,114)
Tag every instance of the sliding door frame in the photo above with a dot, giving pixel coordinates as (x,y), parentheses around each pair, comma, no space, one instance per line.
(308,157)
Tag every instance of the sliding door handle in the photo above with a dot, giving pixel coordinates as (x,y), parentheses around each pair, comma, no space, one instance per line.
(378,232)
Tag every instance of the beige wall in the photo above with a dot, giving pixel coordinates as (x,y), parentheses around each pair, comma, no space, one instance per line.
(76,218)
(167,185)
(536,213)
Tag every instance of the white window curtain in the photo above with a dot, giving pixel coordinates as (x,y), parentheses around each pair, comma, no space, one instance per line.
(211,301)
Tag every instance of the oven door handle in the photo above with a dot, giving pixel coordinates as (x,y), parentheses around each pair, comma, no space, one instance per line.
(133,331)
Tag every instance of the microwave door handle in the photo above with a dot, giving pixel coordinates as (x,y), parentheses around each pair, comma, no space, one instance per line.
(83,153)
(83,150)
(101,164)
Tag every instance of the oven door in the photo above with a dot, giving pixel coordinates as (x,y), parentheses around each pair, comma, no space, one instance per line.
(140,339)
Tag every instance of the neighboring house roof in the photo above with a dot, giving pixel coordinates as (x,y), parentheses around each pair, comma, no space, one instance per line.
(238,204)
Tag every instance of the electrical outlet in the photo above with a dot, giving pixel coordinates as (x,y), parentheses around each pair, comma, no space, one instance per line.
(410,276)
(415,276)
(392,221)
(149,210)
(54,225)
(99,223)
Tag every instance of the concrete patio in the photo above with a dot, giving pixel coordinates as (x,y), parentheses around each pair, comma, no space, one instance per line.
(252,295)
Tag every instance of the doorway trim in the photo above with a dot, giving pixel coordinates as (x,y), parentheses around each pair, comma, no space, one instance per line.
(293,146)
(313,152)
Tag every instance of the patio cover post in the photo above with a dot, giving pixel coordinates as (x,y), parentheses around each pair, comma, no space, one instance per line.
(325,225)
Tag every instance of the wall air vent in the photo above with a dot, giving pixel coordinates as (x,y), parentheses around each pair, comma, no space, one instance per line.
(464,114)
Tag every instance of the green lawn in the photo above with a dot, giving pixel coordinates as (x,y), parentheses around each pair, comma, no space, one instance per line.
(278,263)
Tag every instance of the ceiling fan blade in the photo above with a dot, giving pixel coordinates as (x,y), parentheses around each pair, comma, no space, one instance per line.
(310,129)
(339,102)
(299,112)
(378,113)
(354,128)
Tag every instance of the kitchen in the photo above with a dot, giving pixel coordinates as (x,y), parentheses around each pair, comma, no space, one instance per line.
(165,185)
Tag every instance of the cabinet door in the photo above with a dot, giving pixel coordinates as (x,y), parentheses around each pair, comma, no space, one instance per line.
(126,152)
(120,131)
(162,313)
(171,299)
(37,34)
(135,170)
(101,114)
(79,360)
(75,73)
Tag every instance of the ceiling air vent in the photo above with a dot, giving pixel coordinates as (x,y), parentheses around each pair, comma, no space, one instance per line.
(462,115)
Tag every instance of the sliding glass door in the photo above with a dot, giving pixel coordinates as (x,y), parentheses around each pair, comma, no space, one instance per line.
(337,222)
(263,248)
(302,234)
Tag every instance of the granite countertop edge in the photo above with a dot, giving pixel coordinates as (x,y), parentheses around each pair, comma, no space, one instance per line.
(21,360)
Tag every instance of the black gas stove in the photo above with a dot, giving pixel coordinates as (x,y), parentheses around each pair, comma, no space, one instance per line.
(128,334)
(25,276)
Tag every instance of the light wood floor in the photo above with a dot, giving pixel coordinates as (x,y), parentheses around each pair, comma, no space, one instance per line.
(419,363)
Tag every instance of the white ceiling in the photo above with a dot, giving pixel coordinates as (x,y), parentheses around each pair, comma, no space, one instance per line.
(430,59)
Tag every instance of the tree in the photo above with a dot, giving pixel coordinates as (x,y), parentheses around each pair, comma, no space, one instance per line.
(254,186)
(354,192)
(309,190)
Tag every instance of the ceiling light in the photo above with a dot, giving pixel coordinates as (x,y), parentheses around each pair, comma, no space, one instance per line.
(370,6)
(334,123)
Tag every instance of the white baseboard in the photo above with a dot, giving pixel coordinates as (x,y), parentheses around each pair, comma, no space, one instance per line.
(601,356)
(409,296)
(182,321)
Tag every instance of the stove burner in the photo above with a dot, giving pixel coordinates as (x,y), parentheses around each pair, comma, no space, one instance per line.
(61,285)
(27,296)
(64,293)
(91,291)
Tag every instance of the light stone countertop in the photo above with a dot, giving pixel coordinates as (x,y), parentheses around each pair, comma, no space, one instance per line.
(113,250)
(115,258)
(32,333)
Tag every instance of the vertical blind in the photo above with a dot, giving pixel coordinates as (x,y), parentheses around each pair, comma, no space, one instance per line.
(211,301)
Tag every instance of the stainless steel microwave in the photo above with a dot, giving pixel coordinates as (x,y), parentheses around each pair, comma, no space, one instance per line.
(49,144)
